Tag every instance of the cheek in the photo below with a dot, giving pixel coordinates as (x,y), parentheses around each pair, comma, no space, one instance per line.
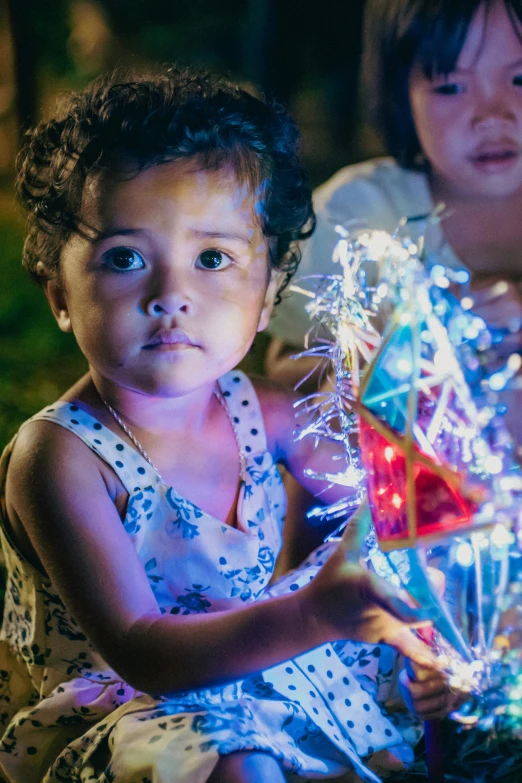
(244,286)
(97,324)
(437,129)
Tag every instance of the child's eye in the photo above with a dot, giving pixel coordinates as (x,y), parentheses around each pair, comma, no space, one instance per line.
(213,259)
(449,88)
(123,259)
(517,80)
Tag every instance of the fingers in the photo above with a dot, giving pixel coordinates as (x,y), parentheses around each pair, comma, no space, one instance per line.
(355,533)
(421,674)
(487,290)
(501,313)
(428,699)
(499,303)
(411,647)
(431,697)
(383,762)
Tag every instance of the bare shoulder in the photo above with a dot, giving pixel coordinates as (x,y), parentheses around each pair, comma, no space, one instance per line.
(51,468)
(44,449)
(44,464)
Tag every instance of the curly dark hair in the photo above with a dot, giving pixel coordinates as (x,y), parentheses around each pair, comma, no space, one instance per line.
(401,33)
(124,123)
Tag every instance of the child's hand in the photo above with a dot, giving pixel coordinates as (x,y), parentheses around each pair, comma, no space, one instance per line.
(499,303)
(349,602)
(427,693)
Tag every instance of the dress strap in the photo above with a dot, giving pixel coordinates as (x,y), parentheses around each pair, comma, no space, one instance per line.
(245,411)
(132,469)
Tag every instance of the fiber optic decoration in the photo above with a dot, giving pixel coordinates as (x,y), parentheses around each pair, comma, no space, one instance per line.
(416,456)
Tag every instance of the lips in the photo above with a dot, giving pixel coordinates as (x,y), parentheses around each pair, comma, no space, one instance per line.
(495,156)
(170,340)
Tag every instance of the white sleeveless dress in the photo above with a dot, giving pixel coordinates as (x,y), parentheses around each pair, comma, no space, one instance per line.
(67,717)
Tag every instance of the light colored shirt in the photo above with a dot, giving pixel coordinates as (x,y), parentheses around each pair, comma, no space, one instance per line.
(377,193)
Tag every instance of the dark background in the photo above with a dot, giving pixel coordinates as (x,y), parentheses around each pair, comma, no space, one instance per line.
(307,54)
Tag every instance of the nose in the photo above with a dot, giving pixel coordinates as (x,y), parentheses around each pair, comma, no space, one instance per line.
(493,109)
(169,297)
(167,305)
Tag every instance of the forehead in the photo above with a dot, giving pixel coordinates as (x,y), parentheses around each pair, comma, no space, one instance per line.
(171,189)
(492,35)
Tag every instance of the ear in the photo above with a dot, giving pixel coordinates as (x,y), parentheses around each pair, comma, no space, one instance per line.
(276,278)
(57,299)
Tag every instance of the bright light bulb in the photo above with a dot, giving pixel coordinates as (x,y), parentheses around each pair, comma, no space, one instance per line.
(396,500)
(389,453)
(497,381)
(500,536)
(404,365)
(464,554)
(442,361)
(493,464)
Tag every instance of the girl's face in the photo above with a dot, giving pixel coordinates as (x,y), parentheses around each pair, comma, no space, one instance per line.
(171,292)
(469,123)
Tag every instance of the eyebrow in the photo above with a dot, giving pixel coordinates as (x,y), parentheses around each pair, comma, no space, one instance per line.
(107,233)
(211,234)
(198,233)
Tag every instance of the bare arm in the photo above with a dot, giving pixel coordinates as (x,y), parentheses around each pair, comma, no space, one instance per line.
(281,367)
(296,455)
(56,490)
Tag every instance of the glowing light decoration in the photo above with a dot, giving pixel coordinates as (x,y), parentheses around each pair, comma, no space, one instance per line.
(414,402)
(436,491)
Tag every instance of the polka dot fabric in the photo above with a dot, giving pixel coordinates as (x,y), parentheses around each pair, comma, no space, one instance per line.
(59,700)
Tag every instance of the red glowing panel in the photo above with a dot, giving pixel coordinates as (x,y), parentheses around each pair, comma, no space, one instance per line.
(439,507)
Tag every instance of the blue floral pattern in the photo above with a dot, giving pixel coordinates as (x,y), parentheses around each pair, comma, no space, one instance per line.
(59,699)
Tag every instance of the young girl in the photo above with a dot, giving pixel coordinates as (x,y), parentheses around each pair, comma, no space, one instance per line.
(142,512)
(444,82)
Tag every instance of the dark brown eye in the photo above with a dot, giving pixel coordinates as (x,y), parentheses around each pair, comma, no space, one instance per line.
(212,259)
(123,259)
(449,89)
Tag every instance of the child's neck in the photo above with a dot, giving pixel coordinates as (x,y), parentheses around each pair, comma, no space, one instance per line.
(484,233)
(190,439)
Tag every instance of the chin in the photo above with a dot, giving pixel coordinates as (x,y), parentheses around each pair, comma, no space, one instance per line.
(497,187)
(501,191)
(501,185)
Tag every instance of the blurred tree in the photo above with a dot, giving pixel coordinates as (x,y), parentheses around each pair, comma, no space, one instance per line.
(39,31)
(307,56)
(91,45)
(313,65)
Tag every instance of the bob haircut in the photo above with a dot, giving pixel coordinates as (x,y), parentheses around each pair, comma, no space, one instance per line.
(124,123)
(401,33)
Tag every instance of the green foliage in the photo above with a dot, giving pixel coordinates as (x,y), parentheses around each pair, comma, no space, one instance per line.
(37,361)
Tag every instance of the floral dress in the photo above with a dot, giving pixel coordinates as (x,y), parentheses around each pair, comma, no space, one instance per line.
(67,716)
